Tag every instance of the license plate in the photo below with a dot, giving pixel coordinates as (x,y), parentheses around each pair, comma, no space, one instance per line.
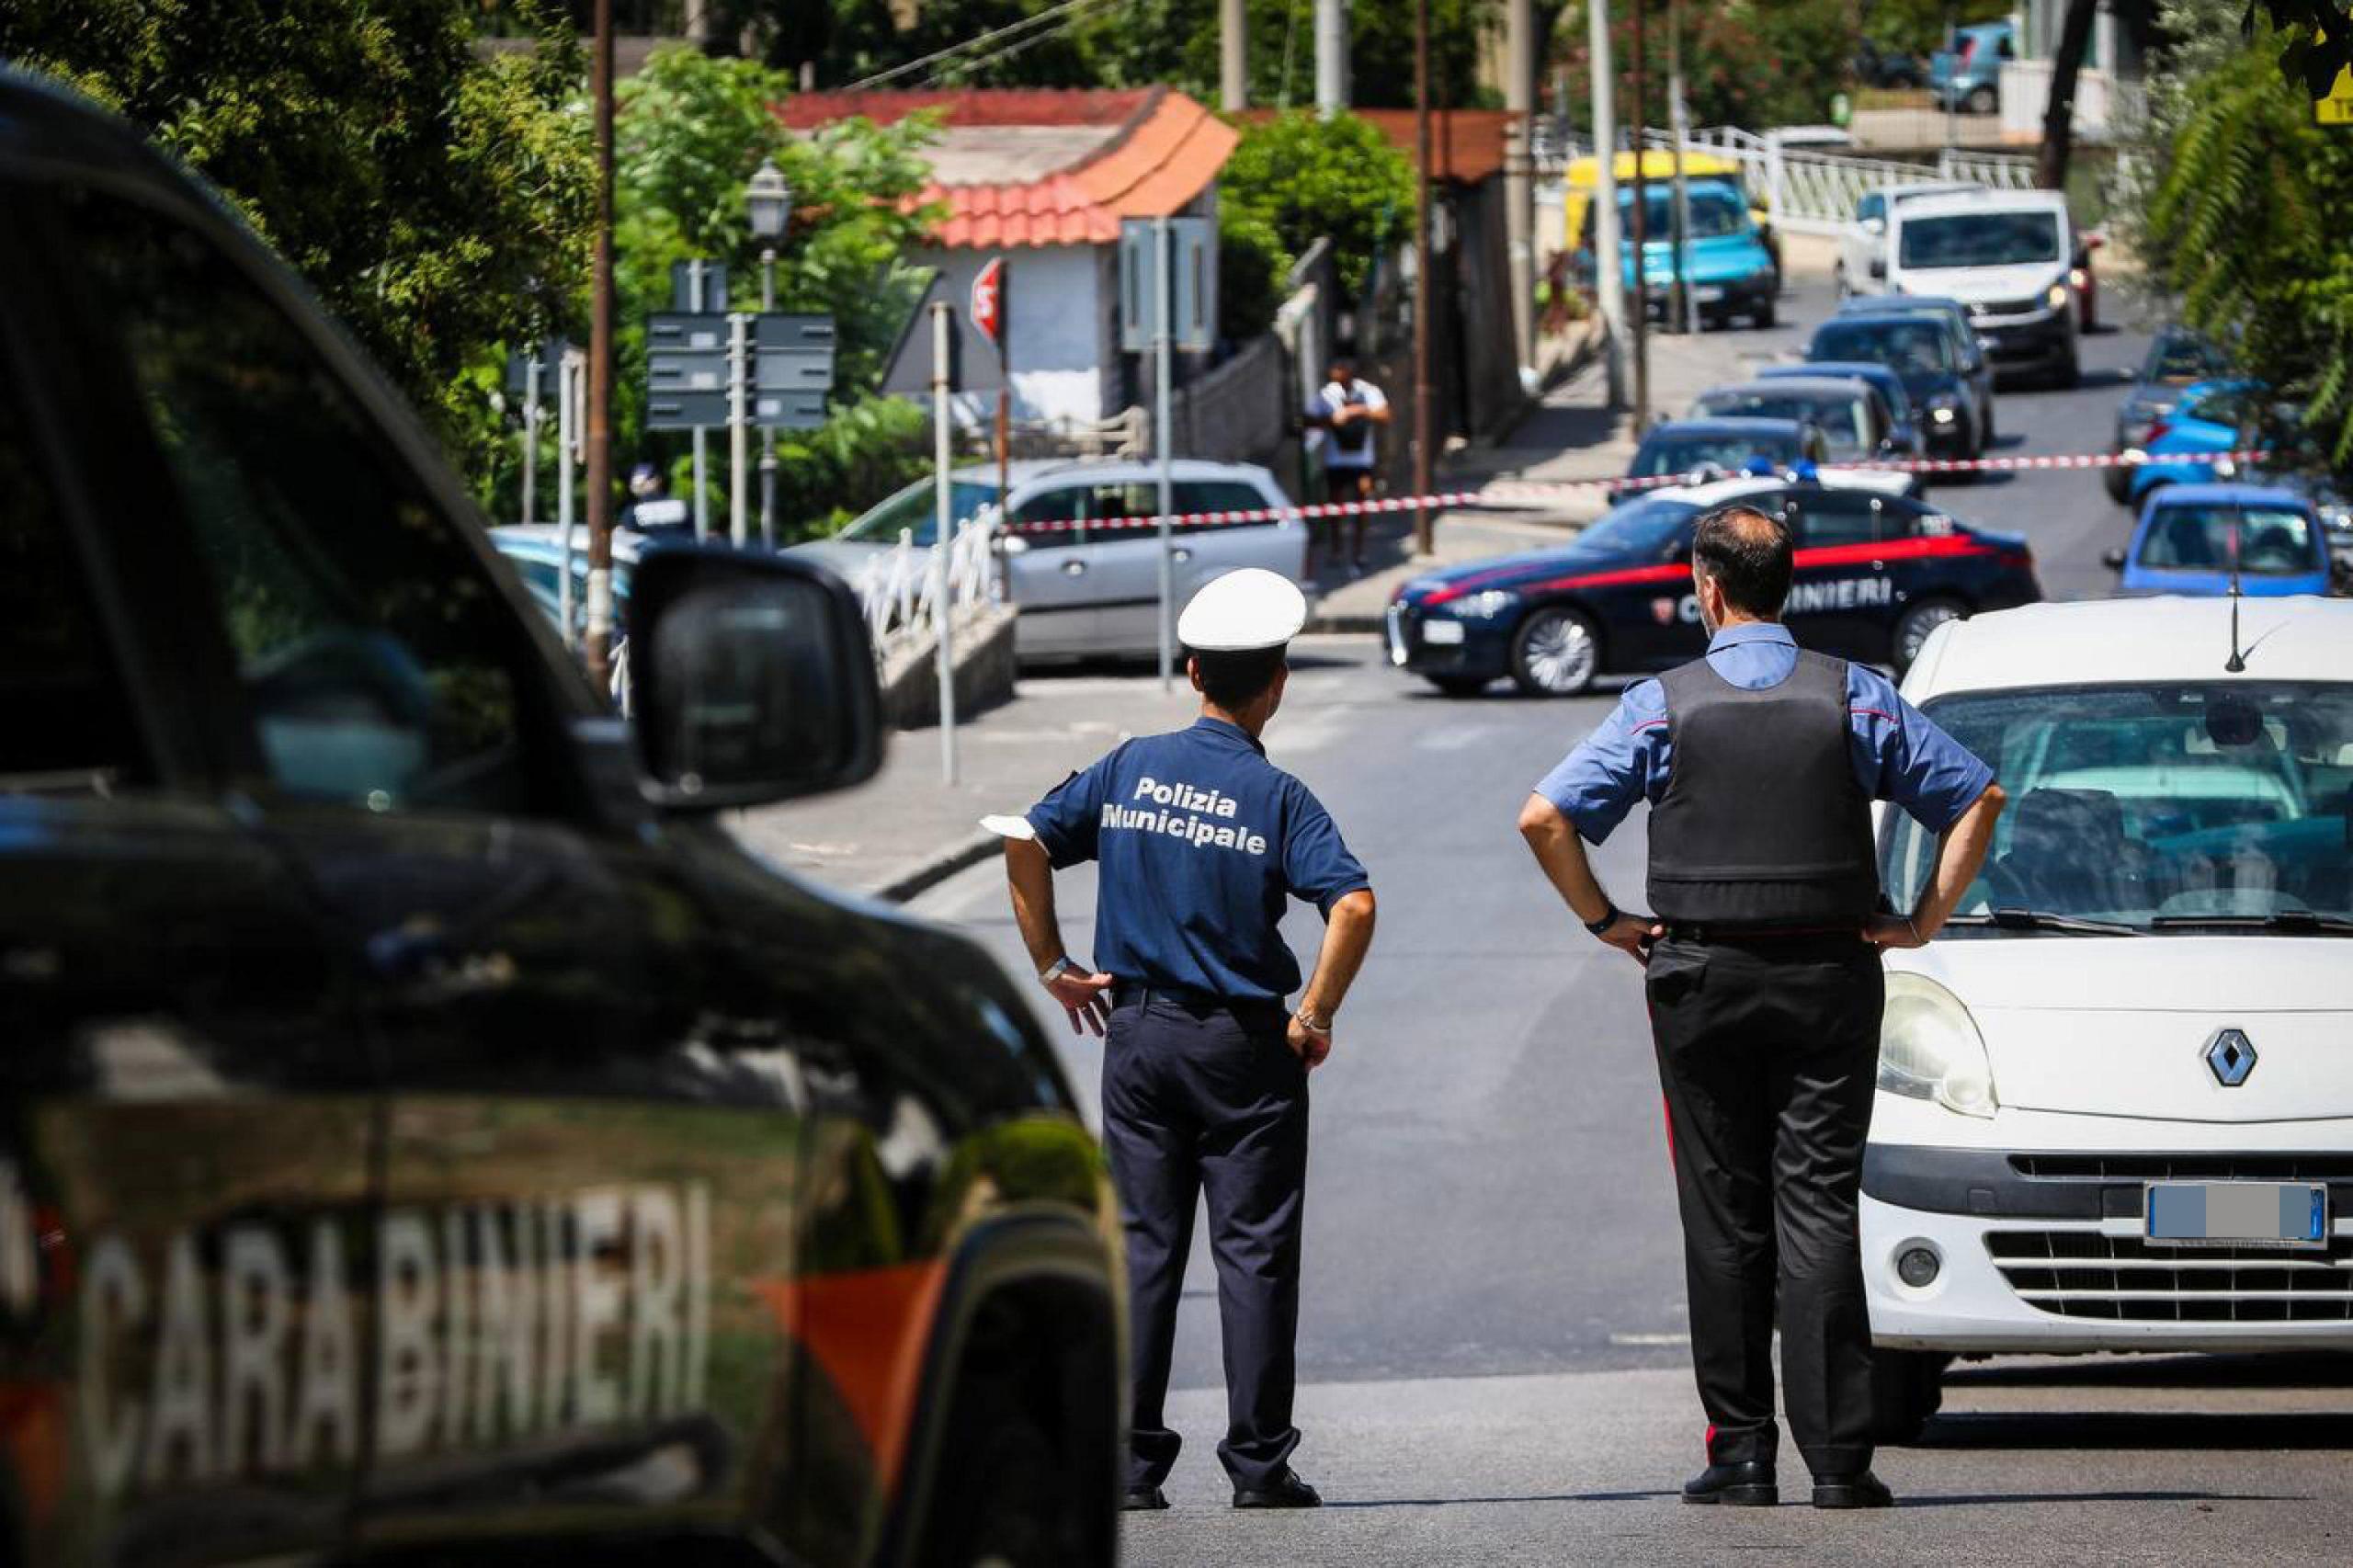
(1396,635)
(2236,1213)
(1442,633)
(1707,295)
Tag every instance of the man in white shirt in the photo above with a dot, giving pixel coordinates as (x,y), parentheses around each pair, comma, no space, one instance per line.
(1343,413)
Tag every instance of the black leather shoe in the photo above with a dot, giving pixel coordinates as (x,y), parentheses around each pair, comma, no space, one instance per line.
(1144,1499)
(1860,1490)
(1746,1485)
(1285,1491)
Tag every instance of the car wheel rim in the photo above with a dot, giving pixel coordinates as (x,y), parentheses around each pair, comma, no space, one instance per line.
(1559,652)
(1919,624)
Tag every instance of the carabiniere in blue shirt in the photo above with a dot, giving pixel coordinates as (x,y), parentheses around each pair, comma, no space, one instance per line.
(1201,839)
(1900,755)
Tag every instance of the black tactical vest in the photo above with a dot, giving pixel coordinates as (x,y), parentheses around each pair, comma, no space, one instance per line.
(1763,823)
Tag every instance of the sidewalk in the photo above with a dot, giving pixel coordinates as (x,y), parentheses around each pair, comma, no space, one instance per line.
(904,830)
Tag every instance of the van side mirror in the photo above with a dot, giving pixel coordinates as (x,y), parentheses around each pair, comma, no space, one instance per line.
(1879,267)
(754,679)
(1874,226)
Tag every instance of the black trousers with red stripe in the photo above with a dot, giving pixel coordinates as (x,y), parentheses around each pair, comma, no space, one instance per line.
(1767,1051)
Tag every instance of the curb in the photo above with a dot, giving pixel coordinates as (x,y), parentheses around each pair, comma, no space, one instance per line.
(938,868)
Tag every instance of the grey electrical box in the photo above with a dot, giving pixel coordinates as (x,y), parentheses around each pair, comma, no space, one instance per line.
(1192,253)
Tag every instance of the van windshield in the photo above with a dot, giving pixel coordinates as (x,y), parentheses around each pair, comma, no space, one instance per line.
(2154,805)
(1980,239)
(1715,212)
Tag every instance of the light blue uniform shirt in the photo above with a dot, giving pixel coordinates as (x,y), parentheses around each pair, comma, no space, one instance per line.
(1900,755)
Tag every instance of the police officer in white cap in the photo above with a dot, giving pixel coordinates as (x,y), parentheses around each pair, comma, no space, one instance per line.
(1202,840)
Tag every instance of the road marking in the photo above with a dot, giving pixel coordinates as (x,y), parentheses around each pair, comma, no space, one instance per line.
(1647,1339)
(1456,738)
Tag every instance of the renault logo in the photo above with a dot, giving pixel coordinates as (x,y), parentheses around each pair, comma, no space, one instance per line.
(2231,1058)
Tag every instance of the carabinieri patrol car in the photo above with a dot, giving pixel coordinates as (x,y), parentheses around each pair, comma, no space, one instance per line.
(422,1132)
(1876,573)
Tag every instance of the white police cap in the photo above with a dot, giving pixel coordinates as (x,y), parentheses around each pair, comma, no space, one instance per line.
(1243,610)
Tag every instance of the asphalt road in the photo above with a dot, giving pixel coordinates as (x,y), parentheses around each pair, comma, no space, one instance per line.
(1493,1340)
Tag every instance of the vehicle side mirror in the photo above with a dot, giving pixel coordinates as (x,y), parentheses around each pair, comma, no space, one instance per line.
(1012,544)
(1879,267)
(754,679)
(2112,559)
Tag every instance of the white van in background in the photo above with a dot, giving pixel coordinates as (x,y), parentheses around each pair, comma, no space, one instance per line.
(2005,255)
(1862,246)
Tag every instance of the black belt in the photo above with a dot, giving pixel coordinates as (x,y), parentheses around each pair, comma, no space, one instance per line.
(1680,931)
(1129,993)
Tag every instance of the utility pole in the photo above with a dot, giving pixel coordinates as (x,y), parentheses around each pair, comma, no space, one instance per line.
(944,518)
(1233,63)
(1164,368)
(1609,283)
(1425,278)
(1520,188)
(533,365)
(1331,57)
(1680,126)
(600,370)
(1641,304)
(739,412)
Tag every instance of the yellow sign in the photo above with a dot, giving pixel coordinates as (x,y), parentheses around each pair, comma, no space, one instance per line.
(2337,107)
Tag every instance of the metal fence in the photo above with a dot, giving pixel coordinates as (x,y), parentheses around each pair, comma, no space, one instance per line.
(1807,190)
(900,589)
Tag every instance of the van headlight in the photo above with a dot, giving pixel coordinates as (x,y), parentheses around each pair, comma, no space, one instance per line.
(1929,1048)
(2056,296)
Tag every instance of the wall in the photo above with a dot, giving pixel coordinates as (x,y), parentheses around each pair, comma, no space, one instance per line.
(1237,411)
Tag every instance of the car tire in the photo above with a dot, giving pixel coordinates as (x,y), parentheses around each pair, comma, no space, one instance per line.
(2070,374)
(2118,481)
(1763,315)
(1555,651)
(1460,686)
(1006,1496)
(1982,101)
(1912,628)
(1907,1389)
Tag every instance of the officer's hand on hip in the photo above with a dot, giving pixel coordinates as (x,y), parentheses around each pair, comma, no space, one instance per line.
(1633,934)
(1310,1044)
(1893,931)
(1086,997)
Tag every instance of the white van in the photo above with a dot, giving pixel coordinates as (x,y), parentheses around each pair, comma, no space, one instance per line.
(1862,244)
(2006,255)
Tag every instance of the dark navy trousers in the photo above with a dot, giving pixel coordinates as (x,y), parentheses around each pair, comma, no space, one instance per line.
(1204,1096)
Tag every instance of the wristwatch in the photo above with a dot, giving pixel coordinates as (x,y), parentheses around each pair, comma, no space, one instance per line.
(1609,917)
(1056,970)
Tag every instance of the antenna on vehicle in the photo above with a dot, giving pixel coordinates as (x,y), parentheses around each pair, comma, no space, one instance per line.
(2237,662)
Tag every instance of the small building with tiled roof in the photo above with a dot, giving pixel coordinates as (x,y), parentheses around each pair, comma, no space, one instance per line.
(1044,177)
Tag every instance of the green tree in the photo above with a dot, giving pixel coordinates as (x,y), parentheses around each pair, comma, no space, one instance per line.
(1297,177)
(1747,62)
(437,199)
(691,131)
(2245,217)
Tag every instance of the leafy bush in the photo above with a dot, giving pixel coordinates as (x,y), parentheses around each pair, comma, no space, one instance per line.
(1298,177)
(1250,268)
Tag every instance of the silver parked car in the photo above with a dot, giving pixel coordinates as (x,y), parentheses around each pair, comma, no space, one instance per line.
(1081,588)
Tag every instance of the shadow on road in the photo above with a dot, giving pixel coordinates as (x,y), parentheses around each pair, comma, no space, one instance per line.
(1479,1502)
(2135,1431)
(2030,1499)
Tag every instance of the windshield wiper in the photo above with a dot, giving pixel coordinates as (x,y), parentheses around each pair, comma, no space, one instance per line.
(2293,922)
(2043,920)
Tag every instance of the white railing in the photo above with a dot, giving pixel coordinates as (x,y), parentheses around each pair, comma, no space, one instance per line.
(900,590)
(1810,192)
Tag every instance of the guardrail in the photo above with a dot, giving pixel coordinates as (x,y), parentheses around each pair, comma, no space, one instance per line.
(900,588)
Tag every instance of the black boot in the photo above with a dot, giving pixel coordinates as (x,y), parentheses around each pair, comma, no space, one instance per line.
(1143,1499)
(1860,1490)
(1282,1490)
(1749,1484)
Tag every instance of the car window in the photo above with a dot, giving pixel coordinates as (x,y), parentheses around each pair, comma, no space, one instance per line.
(915,510)
(2179,357)
(1979,238)
(1870,206)
(1197,495)
(379,663)
(1836,516)
(65,718)
(2270,542)
(1063,504)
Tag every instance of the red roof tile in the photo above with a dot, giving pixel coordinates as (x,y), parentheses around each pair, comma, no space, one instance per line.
(1466,144)
(1160,150)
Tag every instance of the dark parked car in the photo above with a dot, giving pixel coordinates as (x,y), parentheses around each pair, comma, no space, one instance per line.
(1855,422)
(1918,348)
(1905,435)
(1875,574)
(1724,446)
(2179,358)
(423,1132)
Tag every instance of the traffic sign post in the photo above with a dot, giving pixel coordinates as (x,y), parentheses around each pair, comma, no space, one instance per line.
(700,287)
(532,374)
(989,315)
(1168,301)
(765,370)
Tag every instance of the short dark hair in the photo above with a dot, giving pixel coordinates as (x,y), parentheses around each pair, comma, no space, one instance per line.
(1747,551)
(1339,364)
(1232,678)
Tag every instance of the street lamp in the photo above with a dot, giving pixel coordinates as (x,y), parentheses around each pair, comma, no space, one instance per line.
(769,199)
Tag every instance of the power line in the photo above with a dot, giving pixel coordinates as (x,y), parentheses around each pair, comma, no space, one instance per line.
(990,37)
(964,67)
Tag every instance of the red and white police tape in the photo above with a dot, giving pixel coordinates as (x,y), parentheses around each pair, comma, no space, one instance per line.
(1516,490)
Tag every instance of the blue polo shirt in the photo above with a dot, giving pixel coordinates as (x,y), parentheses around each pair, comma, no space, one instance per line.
(1202,840)
(1900,755)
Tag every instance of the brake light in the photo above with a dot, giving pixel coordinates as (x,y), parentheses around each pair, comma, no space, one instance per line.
(2019,559)
(2158,429)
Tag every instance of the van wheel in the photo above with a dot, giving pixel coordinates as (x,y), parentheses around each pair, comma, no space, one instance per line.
(1908,1389)
(1983,101)
(1763,315)
(2070,375)
(1912,628)
(1555,652)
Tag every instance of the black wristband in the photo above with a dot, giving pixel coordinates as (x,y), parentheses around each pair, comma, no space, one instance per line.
(1607,921)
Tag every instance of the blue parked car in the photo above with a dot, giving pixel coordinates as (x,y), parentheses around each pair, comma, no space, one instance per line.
(2188,534)
(1725,264)
(1969,74)
(2212,417)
